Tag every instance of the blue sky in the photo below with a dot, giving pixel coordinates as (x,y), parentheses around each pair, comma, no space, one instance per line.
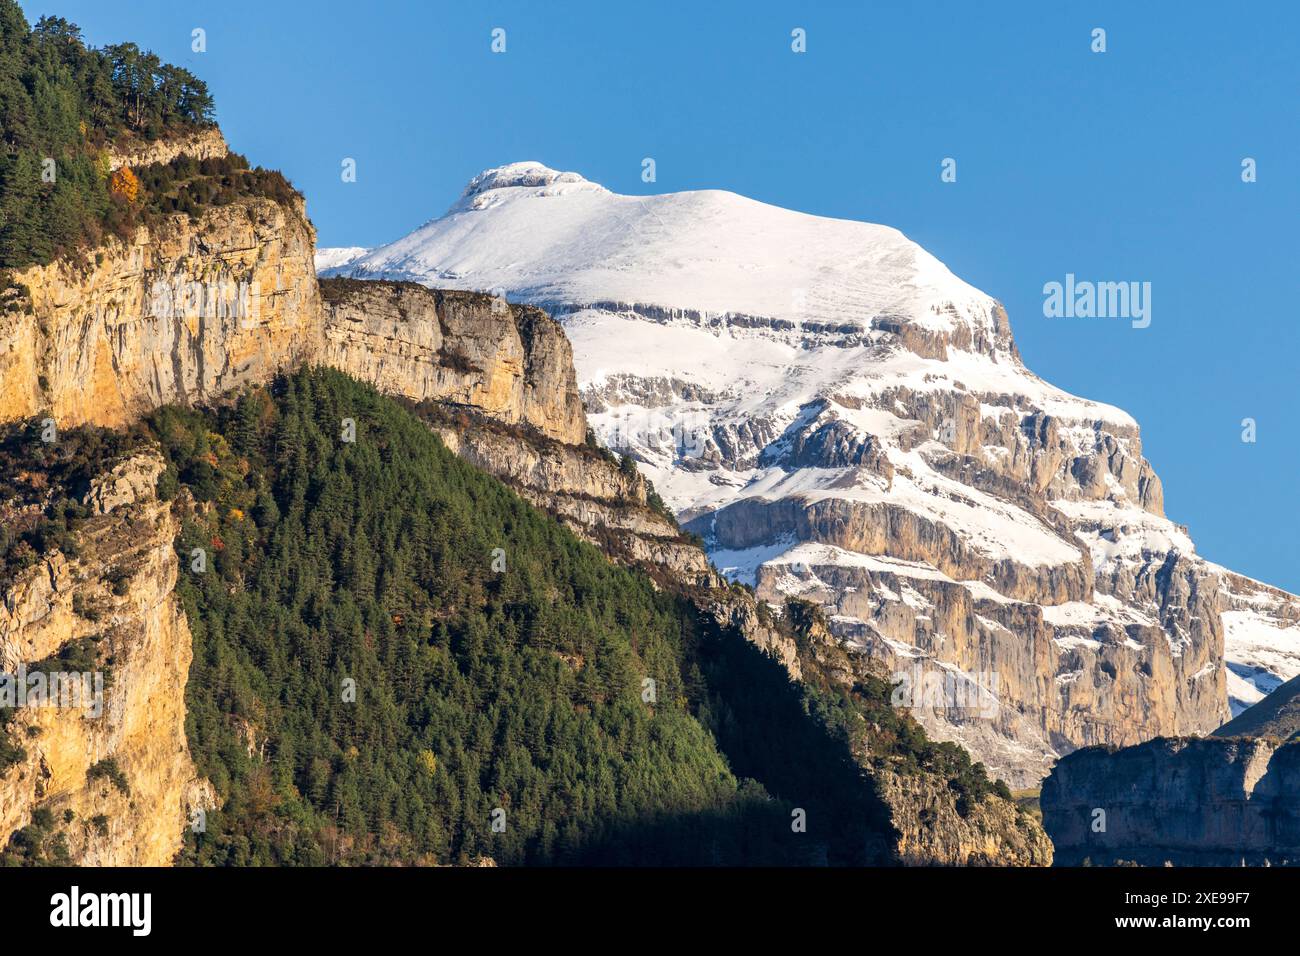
(1124,165)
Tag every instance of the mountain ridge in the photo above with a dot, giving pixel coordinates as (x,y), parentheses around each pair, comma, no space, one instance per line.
(807,391)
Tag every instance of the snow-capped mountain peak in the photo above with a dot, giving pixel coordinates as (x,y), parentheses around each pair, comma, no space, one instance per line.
(844,420)
(573,242)
(515,180)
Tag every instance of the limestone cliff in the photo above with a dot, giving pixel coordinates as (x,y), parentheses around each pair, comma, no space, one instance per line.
(1183,801)
(183,312)
(202,144)
(1225,800)
(586,491)
(117,595)
(932,832)
(511,362)
(933,825)
(1028,553)
(497,382)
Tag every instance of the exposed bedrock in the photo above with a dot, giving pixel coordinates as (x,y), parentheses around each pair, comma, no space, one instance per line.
(1186,802)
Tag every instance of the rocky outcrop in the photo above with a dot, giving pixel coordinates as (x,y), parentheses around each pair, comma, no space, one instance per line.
(513,363)
(932,832)
(587,491)
(184,312)
(1229,799)
(201,144)
(932,824)
(1180,801)
(1046,690)
(116,596)
(497,382)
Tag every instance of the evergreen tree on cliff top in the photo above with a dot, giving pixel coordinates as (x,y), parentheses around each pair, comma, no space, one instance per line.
(62,104)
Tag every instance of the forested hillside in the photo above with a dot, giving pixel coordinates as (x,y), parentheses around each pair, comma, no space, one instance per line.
(485,680)
(398,660)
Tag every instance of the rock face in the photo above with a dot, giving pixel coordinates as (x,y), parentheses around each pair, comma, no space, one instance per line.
(511,362)
(587,492)
(931,826)
(182,313)
(1230,799)
(842,419)
(118,594)
(1193,802)
(202,144)
(497,382)
(932,832)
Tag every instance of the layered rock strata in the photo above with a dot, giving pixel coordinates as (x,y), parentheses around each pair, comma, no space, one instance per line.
(116,595)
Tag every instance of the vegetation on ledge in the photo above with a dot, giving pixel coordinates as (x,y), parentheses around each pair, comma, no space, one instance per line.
(63,107)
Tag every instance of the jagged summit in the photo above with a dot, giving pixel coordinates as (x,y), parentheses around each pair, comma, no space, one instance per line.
(529,175)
